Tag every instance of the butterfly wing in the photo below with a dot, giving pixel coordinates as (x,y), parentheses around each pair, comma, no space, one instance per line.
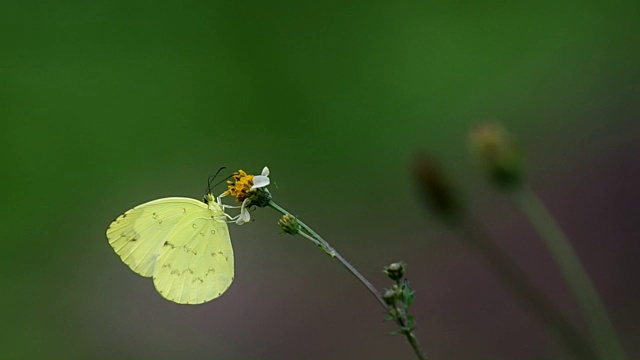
(138,235)
(183,243)
(196,260)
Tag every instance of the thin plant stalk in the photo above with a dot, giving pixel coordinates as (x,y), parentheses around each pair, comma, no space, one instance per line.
(606,342)
(314,237)
(515,280)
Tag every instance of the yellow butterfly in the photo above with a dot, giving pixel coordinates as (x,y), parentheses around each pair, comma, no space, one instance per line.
(182,243)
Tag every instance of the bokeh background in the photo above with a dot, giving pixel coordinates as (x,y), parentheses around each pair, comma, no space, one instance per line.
(108,104)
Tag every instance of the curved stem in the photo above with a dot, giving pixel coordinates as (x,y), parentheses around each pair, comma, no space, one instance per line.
(348,266)
(606,342)
(314,237)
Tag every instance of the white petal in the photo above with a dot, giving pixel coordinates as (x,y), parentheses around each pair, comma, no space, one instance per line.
(260,181)
(265,171)
(245,216)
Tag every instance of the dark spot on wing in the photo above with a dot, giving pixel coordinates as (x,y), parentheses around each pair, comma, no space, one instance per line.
(188,249)
(156,217)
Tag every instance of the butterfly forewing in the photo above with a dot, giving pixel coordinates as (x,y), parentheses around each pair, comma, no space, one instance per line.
(138,234)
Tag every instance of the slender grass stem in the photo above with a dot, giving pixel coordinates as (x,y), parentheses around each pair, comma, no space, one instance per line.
(516,281)
(606,342)
(314,237)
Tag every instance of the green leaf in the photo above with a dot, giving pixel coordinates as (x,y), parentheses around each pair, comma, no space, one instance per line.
(408,295)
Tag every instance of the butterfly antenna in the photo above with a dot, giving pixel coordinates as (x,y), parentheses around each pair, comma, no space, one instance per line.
(223,180)
(212,177)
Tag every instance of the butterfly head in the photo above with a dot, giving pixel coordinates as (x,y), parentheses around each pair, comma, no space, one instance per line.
(208,198)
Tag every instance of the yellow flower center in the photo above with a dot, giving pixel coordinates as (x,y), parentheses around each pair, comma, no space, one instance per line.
(240,187)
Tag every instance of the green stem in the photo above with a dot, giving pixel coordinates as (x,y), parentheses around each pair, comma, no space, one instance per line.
(320,242)
(606,342)
(516,281)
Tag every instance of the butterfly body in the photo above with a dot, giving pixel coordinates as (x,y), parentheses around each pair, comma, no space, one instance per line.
(182,243)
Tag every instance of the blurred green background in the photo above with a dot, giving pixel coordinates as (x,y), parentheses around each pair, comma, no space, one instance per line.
(108,104)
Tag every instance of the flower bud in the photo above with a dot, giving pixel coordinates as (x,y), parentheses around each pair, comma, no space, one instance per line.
(436,189)
(396,270)
(289,224)
(390,296)
(502,160)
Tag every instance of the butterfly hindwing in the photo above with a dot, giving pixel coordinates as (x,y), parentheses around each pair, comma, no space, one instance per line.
(195,264)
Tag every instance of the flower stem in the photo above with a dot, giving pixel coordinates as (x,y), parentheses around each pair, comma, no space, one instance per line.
(516,281)
(606,342)
(314,237)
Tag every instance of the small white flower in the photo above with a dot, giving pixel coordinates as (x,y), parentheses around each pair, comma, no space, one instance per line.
(261,180)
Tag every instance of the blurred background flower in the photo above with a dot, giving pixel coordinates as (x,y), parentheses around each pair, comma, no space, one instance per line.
(106,105)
